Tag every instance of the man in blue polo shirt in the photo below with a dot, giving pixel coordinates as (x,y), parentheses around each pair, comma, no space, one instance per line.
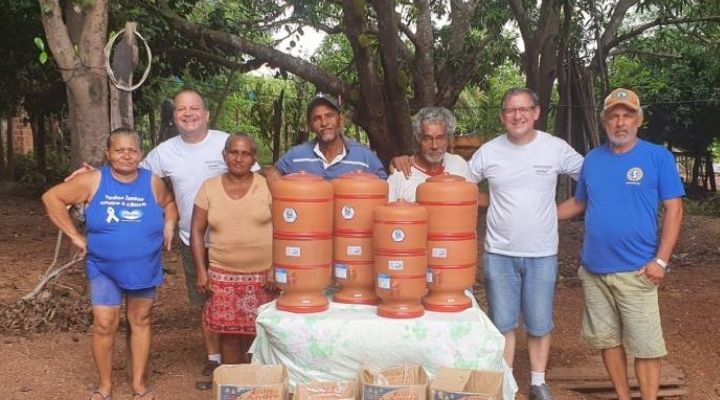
(622,184)
(330,154)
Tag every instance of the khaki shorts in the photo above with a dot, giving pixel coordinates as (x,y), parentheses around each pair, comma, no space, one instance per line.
(622,309)
(196,300)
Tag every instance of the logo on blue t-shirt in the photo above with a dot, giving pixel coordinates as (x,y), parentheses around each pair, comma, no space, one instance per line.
(131,215)
(634,176)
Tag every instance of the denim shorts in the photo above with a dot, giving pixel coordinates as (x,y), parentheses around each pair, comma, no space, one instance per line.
(105,292)
(622,309)
(521,285)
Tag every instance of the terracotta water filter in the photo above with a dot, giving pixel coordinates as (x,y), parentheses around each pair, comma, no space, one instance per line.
(356,195)
(452,240)
(400,242)
(302,211)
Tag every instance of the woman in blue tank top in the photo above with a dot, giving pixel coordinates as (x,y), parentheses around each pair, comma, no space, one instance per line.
(130,217)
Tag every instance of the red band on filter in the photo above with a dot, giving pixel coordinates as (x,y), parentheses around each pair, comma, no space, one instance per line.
(300,200)
(353,233)
(302,235)
(437,236)
(449,203)
(361,196)
(401,253)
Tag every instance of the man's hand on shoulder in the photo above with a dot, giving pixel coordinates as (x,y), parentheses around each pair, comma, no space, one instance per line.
(401,163)
(85,168)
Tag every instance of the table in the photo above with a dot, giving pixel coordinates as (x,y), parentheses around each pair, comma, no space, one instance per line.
(337,343)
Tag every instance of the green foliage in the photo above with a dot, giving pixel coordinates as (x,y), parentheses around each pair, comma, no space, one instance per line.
(709,206)
(30,182)
(478,107)
(677,79)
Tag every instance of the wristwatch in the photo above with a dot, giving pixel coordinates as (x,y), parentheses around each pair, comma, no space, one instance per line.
(662,264)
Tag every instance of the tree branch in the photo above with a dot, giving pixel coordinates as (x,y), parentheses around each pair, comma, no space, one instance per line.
(424,66)
(520,14)
(616,18)
(638,30)
(275,58)
(213,58)
(58,39)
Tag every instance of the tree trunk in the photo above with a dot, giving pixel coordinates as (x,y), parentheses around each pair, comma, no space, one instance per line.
(80,59)
(3,132)
(277,125)
(710,173)
(167,126)
(10,151)
(124,62)
(39,135)
(697,168)
(217,114)
(152,125)
(88,103)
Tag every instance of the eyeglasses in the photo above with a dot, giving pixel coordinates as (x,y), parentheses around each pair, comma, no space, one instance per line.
(442,139)
(522,110)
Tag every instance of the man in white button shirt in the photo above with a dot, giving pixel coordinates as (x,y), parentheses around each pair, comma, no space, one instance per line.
(434,129)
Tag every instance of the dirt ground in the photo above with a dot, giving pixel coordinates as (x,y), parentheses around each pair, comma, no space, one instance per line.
(59,365)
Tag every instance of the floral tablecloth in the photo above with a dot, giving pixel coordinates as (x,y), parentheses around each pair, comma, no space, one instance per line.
(335,344)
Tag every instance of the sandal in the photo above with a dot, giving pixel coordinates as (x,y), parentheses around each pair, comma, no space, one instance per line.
(147,395)
(97,395)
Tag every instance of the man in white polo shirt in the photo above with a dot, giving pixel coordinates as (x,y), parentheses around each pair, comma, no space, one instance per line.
(521,242)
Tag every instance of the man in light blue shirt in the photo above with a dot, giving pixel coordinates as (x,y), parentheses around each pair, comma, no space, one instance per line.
(330,154)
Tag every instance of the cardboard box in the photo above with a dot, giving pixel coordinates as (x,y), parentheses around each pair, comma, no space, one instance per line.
(402,383)
(250,382)
(333,390)
(465,384)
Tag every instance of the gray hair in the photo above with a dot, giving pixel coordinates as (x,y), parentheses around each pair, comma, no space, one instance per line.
(516,91)
(240,136)
(434,115)
(122,131)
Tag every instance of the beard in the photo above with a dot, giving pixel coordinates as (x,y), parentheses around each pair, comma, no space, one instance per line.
(433,158)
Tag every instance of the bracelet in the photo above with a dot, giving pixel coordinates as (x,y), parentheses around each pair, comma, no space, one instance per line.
(661,263)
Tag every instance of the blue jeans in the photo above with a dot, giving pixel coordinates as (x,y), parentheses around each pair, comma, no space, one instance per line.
(105,292)
(521,284)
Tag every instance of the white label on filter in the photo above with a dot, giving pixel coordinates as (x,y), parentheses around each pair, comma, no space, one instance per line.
(290,215)
(397,235)
(383,281)
(429,276)
(340,271)
(347,212)
(292,251)
(281,275)
(354,250)
(396,265)
(439,252)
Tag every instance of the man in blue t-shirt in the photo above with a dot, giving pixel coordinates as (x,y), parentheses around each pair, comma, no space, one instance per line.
(330,154)
(621,185)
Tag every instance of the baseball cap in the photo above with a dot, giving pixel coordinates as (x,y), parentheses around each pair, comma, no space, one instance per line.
(322,98)
(626,97)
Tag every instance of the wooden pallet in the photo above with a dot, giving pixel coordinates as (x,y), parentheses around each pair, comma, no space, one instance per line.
(592,379)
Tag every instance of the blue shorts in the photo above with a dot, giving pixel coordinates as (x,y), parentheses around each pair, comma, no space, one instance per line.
(515,284)
(105,292)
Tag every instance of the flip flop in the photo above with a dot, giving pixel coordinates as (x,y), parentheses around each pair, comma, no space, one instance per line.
(147,395)
(96,393)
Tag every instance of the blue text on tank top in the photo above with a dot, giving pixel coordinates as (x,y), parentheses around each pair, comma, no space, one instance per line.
(124,227)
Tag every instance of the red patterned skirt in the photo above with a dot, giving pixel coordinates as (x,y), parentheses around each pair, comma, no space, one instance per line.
(232,306)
